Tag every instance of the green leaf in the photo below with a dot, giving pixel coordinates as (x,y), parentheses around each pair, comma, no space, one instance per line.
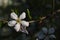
(29,14)
(15,10)
(12,10)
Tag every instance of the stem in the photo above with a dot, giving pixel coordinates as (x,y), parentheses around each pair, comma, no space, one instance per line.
(4,20)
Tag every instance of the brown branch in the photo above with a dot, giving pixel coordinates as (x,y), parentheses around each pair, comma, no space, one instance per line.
(3,20)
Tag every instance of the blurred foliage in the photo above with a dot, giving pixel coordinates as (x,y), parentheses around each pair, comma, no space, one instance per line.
(1,24)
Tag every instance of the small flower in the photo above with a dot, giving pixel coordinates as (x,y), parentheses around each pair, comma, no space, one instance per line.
(18,22)
(46,33)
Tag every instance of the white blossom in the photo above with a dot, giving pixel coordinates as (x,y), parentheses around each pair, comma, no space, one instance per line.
(18,22)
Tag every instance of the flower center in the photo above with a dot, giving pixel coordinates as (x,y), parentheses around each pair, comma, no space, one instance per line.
(18,20)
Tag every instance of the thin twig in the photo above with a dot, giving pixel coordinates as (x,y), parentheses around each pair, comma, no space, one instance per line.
(3,20)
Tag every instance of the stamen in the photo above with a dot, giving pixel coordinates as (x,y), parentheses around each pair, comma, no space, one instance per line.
(18,20)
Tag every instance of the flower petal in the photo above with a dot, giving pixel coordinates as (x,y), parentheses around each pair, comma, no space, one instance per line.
(52,36)
(40,35)
(11,23)
(23,15)
(24,23)
(51,30)
(45,30)
(24,30)
(14,16)
(17,27)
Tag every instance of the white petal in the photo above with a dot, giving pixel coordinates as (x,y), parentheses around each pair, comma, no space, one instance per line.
(24,23)
(23,29)
(14,16)
(17,27)
(11,23)
(23,15)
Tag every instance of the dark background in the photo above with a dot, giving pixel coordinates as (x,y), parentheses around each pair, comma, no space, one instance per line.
(37,9)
